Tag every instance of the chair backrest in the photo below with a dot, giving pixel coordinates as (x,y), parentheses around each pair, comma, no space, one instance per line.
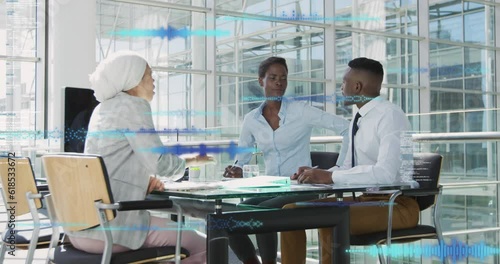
(426,171)
(324,160)
(76,181)
(17,178)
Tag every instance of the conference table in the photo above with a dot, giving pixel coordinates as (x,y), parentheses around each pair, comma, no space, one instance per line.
(263,220)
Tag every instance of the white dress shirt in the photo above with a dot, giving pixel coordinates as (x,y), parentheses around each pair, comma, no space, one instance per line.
(381,156)
(288,147)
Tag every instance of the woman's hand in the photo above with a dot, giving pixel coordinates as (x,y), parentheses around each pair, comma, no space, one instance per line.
(155,185)
(233,172)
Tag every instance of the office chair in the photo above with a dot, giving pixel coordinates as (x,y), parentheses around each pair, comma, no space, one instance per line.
(324,160)
(23,202)
(427,167)
(81,193)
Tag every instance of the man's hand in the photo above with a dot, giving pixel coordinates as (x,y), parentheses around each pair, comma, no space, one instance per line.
(308,175)
(233,172)
(155,185)
(299,172)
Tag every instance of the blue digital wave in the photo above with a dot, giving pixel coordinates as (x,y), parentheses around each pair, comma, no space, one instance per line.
(313,98)
(82,133)
(455,251)
(169,33)
(216,224)
(230,224)
(201,149)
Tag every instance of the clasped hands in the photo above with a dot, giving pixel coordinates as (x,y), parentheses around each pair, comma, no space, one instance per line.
(309,175)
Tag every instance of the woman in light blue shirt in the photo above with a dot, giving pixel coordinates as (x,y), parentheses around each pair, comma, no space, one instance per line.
(281,128)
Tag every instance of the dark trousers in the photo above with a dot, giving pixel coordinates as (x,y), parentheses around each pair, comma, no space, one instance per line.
(363,220)
(268,242)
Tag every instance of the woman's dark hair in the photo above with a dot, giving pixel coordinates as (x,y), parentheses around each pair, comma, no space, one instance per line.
(368,65)
(264,65)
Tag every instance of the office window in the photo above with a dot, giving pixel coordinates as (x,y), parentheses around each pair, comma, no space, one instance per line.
(393,16)
(21,76)
(174,58)
(460,93)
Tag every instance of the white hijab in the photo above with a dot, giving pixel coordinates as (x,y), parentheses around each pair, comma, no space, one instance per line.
(121,71)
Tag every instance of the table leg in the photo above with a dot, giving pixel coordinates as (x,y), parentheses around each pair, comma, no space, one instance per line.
(271,220)
(341,241)
(217,242)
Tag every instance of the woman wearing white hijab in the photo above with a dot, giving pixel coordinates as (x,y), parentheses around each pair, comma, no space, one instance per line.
(124,86)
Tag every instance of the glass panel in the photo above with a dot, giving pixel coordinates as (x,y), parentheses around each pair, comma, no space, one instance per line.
(301,46)
(475,28)
(449,28)
(446,101)
(474,24)
(306,10)
(390,15)
(398,56)
(178,106)
(155,33)
(476,160)
(19,29)
(479,68)
(446,62)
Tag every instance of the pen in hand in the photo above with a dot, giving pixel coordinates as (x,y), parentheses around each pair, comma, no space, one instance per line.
(315,167)
(295,176)
(234,164)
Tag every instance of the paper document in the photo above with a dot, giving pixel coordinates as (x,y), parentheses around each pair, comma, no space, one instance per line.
(258,181)
(187,185)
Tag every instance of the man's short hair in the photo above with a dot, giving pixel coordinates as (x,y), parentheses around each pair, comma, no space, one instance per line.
(369,65)
(264,65)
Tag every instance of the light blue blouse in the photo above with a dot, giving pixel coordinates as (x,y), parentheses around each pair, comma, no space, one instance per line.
(287,148)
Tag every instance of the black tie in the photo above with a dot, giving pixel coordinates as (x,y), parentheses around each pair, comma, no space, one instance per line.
(354,130)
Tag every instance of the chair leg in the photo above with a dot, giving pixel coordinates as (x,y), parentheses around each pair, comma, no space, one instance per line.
(3,249)
(54,239)
(31,250)
(36,225)
(380,254)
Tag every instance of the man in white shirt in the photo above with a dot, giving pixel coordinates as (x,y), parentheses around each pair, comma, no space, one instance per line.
(375,158)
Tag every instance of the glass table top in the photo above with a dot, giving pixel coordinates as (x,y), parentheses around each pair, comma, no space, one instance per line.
(219,190)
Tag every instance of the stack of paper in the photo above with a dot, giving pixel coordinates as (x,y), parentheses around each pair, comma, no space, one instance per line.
(258,181)
(187,186)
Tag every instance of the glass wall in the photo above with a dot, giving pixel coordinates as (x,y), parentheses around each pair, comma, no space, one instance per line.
(439,60)
(21,75)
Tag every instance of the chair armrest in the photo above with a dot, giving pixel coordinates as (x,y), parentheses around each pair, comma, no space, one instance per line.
(144,205)
(42,188)
(420,192)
